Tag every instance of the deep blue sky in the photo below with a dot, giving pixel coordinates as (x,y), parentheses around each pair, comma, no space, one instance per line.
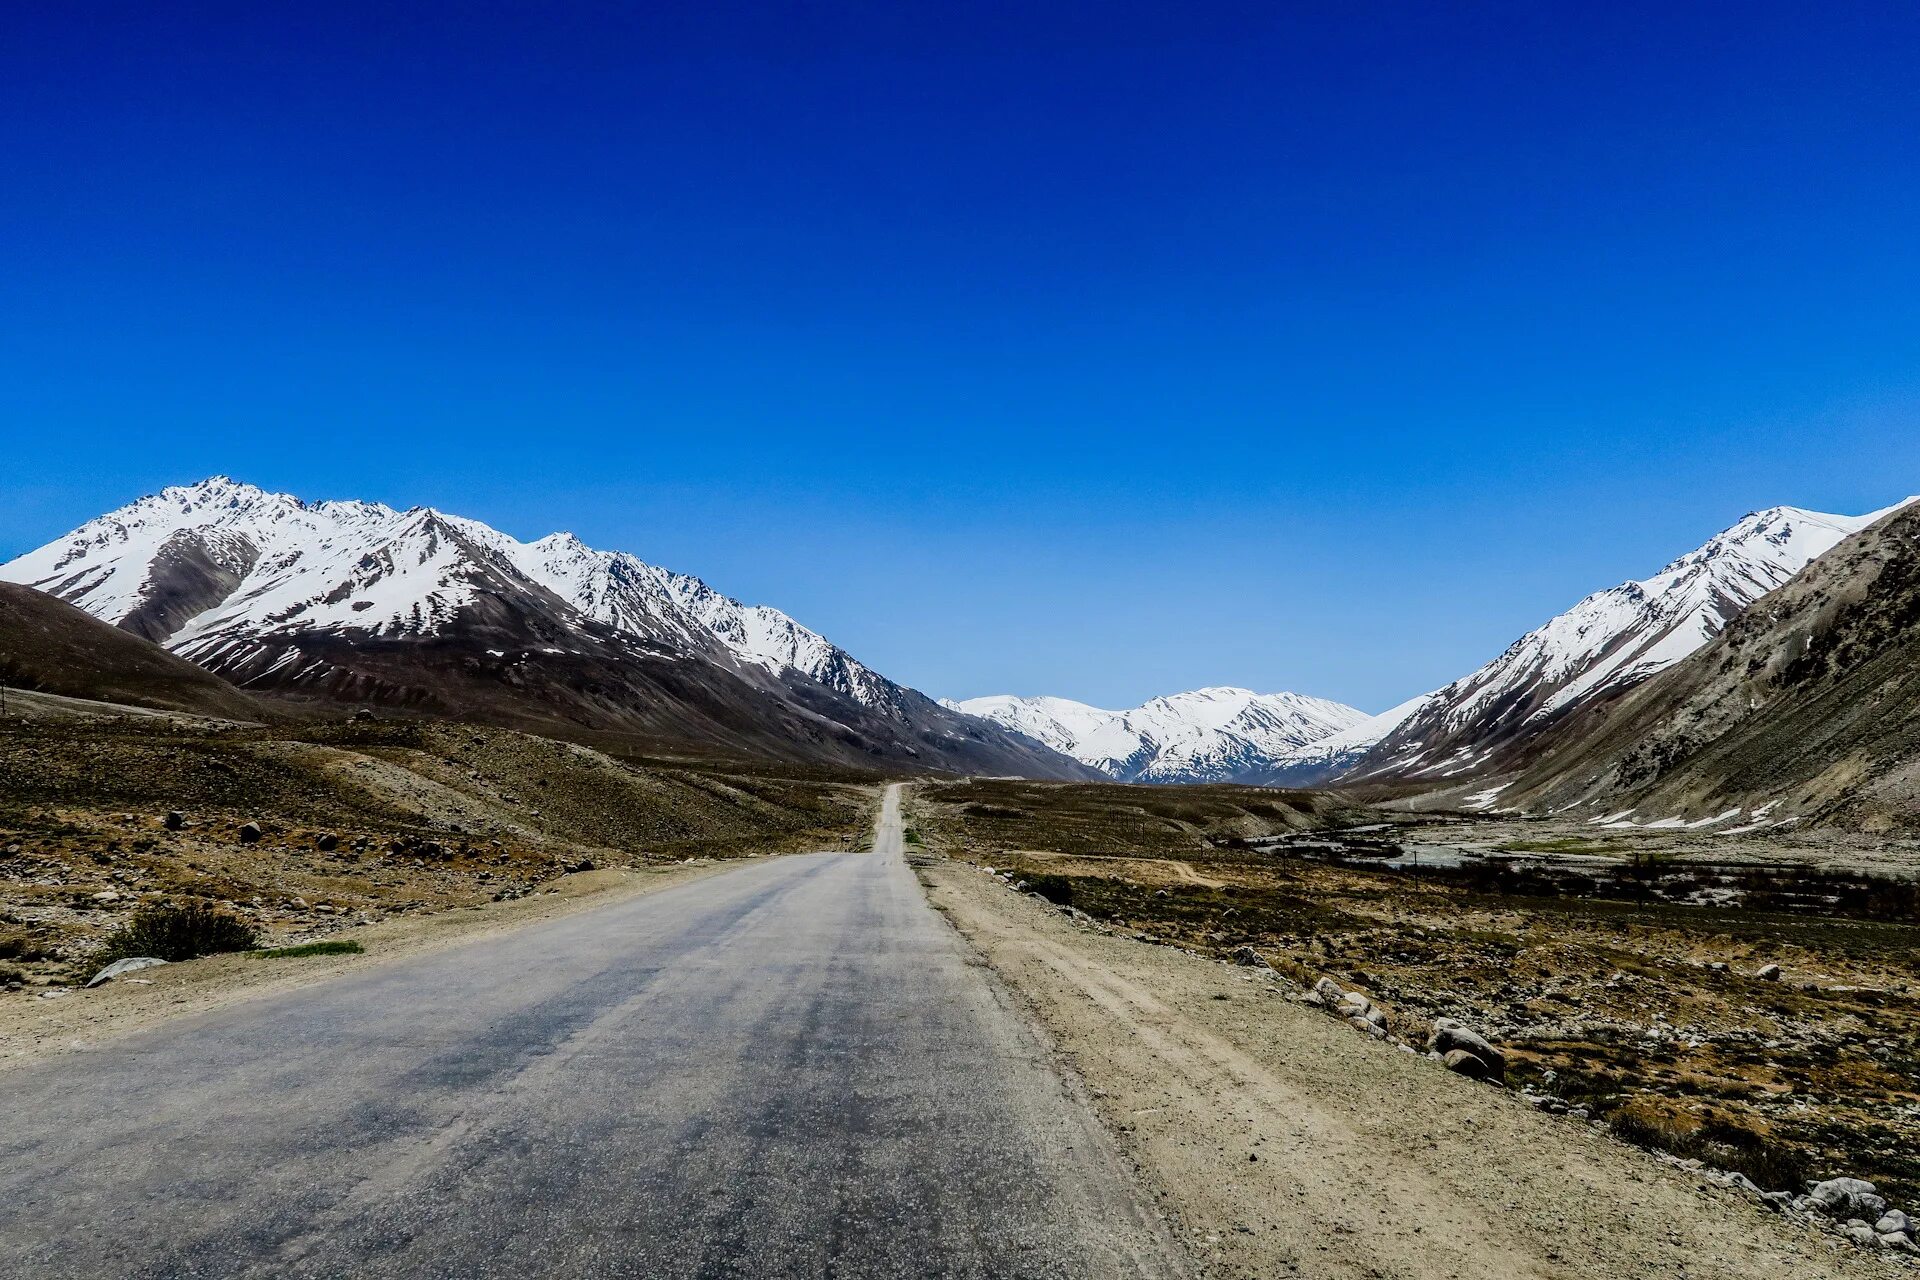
(1104,350)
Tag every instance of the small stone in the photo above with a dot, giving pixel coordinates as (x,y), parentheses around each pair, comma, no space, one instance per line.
(327,843)
(1768,973)
(250,833)
(175,820)
(1894,1222)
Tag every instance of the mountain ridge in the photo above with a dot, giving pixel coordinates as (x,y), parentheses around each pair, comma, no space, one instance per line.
(1218,734)
(422,610)
(1488,721)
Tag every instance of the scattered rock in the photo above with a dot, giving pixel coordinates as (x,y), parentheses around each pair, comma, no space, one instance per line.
(327,842)
(1768,973)
(1329,990)
(1466,1064)
(250,833)
(1450,1034)
(1894,1222)
(120,968)
(1863,1236)
(1246,955)
(1848,1198)
(175,820)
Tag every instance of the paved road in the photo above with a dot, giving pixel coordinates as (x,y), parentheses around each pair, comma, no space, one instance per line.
(790,1069)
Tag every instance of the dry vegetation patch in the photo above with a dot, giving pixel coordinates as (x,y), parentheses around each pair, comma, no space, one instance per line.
(1649,1013)
(302,831)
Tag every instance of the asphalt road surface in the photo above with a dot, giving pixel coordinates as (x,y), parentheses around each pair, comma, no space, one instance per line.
(789,1069)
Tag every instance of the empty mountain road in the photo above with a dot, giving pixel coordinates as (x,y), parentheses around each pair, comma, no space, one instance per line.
(790,1069)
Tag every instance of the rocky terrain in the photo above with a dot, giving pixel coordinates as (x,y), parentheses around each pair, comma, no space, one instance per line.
(302,831)
(49,646)
(1751,1008)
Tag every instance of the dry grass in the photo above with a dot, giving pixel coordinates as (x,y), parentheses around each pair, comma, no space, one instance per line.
(1610,1002)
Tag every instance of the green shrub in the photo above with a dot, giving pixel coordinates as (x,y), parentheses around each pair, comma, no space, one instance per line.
(171,932)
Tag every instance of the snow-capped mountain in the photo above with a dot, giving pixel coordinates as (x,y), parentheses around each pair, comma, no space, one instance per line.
(1606,644)
(1321,762)
(357,600)
(1207,735)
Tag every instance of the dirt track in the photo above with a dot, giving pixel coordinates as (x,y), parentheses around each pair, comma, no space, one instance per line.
(1284,1143)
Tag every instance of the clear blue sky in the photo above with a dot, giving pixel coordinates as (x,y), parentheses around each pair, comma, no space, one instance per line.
(1103,350)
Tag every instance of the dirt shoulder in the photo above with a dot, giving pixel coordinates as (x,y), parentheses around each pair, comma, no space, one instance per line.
(1281,1142)
(37,1027)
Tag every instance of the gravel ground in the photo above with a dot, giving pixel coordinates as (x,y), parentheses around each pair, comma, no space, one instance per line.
(1284,1143)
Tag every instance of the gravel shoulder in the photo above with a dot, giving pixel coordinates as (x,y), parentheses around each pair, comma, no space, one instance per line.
(1282,1143)
(35,1028)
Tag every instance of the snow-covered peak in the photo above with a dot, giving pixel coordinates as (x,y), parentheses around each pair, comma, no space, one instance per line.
(1609,641)
(217,565)
(1204,735)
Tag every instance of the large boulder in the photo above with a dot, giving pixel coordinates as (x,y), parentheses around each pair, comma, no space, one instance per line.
(120,968)
(1450,1034)
(1846,1198)
(1467,1064)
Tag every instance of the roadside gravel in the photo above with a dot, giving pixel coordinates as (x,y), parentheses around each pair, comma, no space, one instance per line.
(1281,1142)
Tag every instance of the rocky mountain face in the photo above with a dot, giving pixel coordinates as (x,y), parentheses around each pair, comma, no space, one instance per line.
(1806,707)
(1207,735)
(358,602)
(1496,719)
(48,646)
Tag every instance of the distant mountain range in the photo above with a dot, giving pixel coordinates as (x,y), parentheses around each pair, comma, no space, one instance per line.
(356,602)
(1207,735)
(1492,723)
(1734,688)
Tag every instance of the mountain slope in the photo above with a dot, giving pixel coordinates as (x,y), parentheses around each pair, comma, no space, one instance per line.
(1493,720)
(359,602)
(49,646)
(1807,706)
(1206,735)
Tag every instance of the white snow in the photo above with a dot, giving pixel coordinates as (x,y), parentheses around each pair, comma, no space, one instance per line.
(1198,736)
(1616,638)
(363,568)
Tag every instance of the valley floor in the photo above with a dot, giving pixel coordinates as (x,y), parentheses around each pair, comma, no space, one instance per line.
(1281,1142)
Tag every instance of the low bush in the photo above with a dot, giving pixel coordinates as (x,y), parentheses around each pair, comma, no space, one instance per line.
(175,932)
(1716,1143)
(18,946)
